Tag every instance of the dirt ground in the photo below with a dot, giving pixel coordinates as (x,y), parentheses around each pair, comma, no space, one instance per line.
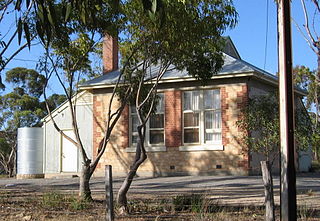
(225,198)
(21,205)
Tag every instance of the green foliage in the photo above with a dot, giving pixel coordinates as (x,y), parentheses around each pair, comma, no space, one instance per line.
(315,166)
(73,58)
(54,200)
(189,202)
(4,146)
(55,100)
(22,107)
(259,123)
(79,204)
(306,79)
(187,35)
(49,20)
(27,80)
(181,34)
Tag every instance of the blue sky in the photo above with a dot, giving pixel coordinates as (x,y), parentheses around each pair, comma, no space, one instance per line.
(249,37)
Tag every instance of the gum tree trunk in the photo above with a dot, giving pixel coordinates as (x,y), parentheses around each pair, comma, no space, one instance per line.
(139,159)
(268,190)
(84,187)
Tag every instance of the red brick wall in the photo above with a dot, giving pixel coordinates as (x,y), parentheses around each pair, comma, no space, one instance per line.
(110,54)
(97,113)
(242,101)
(173,124)
(124,121)
(242,97)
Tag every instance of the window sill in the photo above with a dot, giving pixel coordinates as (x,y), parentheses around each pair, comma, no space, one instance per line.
(148,149)
(202,147)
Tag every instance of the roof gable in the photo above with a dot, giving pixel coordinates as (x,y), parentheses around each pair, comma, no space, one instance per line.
(230,48)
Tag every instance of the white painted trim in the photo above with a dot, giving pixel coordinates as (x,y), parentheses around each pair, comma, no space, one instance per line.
(148,149)
(202,147)
(201,112)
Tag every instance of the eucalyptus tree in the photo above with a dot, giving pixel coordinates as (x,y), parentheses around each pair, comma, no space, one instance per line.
(259,123)
(179,35)
(28,22)
(310,32)
(306,79)
(20,107)
(182,33)
(72,35)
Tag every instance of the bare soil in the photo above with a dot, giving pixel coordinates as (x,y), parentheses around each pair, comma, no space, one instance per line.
(26,206)
(227,198)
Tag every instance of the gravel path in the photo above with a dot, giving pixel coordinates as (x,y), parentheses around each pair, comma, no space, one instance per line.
(232,190)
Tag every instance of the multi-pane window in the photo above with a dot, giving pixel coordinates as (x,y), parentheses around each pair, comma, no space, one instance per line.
(154,127)
(134,125)
(156,123)
(202,117)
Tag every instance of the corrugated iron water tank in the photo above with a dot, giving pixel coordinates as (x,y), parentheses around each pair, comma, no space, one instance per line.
(30,153)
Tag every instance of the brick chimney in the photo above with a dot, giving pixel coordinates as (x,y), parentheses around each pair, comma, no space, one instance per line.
(110,55)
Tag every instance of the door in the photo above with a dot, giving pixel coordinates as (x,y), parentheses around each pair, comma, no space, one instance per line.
(69,154)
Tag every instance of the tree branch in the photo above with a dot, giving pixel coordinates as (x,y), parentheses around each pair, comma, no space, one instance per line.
(306,18)
(305,37)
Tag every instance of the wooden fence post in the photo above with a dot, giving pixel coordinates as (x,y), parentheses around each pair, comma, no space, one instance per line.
(109,194)
(268,190)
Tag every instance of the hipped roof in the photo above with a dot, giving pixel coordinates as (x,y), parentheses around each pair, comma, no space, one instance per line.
(233,67)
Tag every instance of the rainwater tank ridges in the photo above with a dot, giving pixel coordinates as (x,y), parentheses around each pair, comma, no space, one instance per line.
(30,153)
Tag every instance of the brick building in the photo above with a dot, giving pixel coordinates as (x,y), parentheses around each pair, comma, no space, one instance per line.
(193,132)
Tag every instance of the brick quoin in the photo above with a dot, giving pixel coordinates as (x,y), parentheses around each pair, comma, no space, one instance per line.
(225,117)
(242,101)
(173,124)
(96,116)
(124,121)
(242,97)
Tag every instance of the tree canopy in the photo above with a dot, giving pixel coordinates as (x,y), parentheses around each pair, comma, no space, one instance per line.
(22,106)
(183,33)
(260,125)
(186,34)
(307,80)
(46,20)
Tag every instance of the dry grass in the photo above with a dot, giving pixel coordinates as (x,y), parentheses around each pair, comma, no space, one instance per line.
(18,205)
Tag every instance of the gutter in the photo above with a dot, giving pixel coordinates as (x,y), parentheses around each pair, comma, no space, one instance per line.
(173,80)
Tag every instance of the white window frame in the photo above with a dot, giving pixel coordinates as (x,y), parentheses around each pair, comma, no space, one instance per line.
(149,147)
(202,144)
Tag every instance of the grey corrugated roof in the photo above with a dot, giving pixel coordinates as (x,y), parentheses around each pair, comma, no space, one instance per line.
(231,66)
